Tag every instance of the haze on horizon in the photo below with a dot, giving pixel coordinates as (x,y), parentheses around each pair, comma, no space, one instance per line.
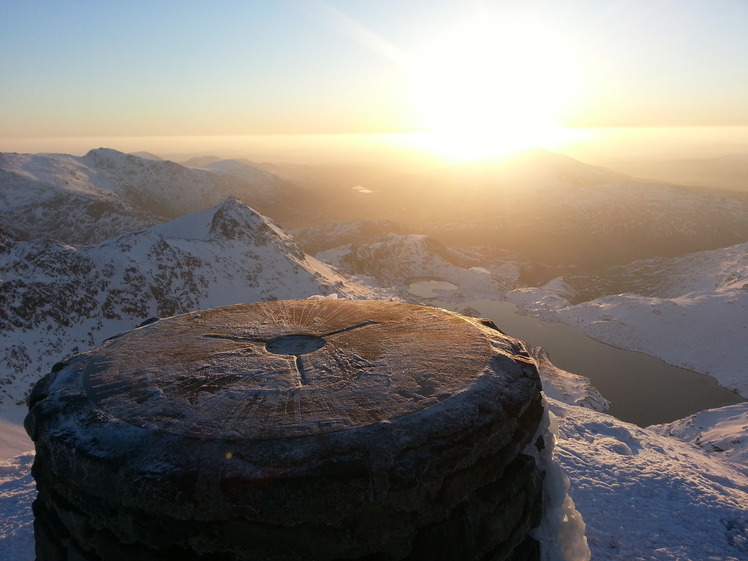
(471,79)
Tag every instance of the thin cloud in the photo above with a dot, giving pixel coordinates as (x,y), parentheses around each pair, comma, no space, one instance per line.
(347,26)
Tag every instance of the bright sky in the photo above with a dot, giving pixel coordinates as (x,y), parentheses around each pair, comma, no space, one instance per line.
(184,67)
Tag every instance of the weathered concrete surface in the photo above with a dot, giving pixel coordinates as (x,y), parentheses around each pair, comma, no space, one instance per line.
(315,429)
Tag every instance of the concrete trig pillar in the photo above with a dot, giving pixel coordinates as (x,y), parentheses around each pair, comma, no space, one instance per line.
(299,430)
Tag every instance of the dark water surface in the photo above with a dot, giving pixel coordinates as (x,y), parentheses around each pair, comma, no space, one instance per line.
(643,389)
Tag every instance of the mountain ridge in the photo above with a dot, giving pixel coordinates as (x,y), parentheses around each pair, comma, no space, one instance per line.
(105,193)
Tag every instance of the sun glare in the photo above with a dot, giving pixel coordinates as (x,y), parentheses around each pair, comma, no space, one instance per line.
(490,88)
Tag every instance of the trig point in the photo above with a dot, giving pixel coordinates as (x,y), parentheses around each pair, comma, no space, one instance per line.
(307,430)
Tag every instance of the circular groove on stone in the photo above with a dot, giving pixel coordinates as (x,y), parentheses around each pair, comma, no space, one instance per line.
(294,345)
(214,374)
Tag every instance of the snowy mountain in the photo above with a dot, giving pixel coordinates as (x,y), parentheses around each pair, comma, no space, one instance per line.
(690,311)
(59,197)
(56,298)
(176,190)
(85,200)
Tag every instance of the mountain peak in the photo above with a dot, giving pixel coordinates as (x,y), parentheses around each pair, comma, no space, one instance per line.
(232,218)
(104,153)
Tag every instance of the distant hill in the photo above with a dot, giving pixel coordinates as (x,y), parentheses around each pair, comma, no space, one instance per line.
(725,172)
(147,156)
(549,208)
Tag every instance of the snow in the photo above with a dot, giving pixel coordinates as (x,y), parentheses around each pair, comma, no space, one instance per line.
(645,496)
(698,321)
(562,529)
(17,491)
(722,432)
(396,258)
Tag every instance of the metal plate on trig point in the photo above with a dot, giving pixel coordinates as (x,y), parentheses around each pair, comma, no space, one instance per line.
(282,369)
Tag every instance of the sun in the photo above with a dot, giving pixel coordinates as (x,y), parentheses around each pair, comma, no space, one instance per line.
(490,87)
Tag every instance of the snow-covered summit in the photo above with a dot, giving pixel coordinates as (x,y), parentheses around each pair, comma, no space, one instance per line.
(173,189)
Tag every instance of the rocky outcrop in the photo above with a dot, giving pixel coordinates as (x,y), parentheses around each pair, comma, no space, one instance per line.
(306,430)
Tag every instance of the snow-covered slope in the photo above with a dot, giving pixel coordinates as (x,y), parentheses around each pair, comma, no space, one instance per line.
(693,312)
(271,194)
(59,197)
(721,432)
(56,299)
(106,193)
(177,190)
(645,496)
(17,492)
(173,189)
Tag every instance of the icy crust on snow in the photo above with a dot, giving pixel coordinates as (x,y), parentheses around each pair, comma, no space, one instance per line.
(721,432)
(645,496)
(697,319)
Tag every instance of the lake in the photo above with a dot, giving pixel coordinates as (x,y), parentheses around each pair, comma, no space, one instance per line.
(643,389)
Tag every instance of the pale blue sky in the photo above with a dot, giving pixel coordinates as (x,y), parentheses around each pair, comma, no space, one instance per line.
(132,67)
